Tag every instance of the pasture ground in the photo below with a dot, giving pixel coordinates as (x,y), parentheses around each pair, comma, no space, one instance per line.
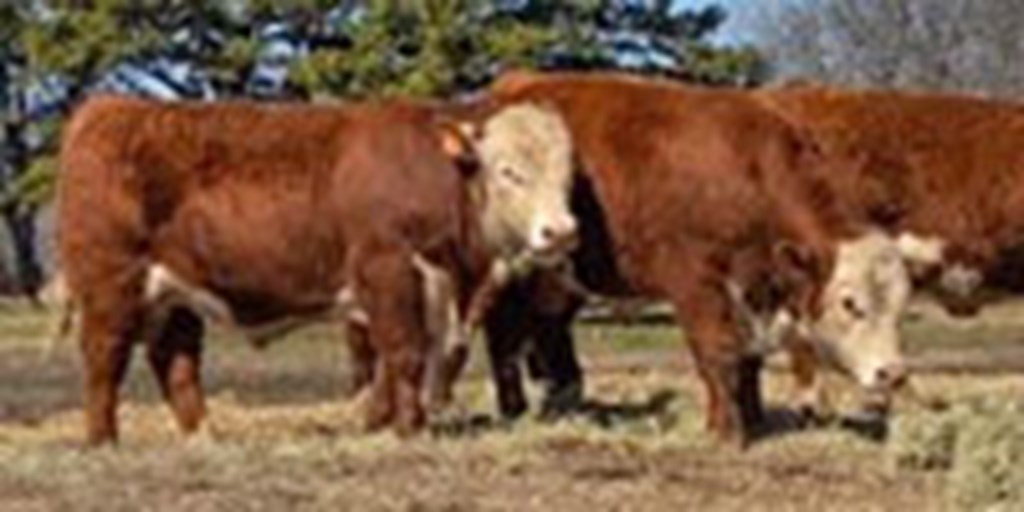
(281,438)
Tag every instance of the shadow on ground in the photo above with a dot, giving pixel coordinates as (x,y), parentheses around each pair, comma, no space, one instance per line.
(603,414)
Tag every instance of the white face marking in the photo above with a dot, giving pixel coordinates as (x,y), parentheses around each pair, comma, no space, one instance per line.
(526,155)
(861,307)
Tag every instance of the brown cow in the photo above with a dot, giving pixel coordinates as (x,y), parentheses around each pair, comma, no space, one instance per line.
(946,172)
(706,199)
(261,216)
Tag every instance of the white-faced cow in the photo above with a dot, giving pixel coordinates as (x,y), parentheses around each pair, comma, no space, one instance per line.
(259,217)
(943,172)
(708,200)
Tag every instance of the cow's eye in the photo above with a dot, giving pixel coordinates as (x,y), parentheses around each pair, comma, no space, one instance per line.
(853,308)
(513,177)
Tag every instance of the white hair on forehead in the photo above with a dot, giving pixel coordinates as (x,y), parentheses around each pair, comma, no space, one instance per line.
(529,117)
(869,249)
(529,127)
(872,261)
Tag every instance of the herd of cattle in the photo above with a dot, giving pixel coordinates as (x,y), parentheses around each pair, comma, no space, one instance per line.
(796,218)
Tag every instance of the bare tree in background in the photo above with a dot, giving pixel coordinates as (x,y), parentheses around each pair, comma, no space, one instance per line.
(962,45)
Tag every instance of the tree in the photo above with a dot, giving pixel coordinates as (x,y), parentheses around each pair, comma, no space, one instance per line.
(15,153)
(433,47)
(52,53)
(962,45)
(56,51)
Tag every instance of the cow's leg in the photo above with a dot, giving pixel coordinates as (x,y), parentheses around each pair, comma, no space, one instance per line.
(507,329)
(362,357)
(450,367)
(175,353)
(749,393)
(448,347)
(811,402)
(107,329)
(556,353)
(505,373)
(704,311)
(458,334)
(536,359)
(399,335)
(555,300)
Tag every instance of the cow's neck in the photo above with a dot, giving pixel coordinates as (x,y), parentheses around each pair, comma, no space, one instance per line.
(473,258)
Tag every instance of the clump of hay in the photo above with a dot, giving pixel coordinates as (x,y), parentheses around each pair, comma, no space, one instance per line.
(925,441)
(978,443)
(988,473)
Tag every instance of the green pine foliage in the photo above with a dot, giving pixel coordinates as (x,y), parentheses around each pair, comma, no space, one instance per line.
(352,49)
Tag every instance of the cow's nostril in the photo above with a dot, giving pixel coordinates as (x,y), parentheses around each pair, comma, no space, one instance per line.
(892,376)
(558,237)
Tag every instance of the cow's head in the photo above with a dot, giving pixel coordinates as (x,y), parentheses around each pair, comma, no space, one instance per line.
(853,318)
(522,179)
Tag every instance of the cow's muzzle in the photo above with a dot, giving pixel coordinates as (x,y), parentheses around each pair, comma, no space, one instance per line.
(552,242)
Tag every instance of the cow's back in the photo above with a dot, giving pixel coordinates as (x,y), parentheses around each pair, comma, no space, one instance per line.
(263,205)
(678,166)
(942,165)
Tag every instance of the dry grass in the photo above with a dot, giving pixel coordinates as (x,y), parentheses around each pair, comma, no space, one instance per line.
(280,438)
(979,446)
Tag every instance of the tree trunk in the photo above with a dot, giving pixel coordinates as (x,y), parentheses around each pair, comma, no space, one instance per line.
(21,223)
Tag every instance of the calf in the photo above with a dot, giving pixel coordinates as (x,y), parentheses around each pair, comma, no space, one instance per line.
(262,217)
(709,200)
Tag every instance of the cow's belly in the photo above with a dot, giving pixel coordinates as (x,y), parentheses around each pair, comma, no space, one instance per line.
(166,289)
(259,250)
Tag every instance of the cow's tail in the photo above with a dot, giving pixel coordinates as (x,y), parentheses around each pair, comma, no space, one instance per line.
(59,300)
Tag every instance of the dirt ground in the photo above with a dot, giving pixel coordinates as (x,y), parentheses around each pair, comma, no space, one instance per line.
(280,437)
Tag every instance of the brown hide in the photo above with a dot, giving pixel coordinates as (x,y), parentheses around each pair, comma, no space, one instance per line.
(933,165)
(274,209)
(928,164)
(683,188)
(664,160)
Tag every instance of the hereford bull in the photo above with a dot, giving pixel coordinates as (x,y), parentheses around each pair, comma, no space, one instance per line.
(710,201)
(170,215)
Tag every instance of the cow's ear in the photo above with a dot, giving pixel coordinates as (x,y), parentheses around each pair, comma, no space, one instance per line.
(796,262)
(798,271)
(458,142)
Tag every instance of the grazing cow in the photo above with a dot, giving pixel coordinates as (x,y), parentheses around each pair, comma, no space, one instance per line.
(261,217)
(945,172)
(708,200)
